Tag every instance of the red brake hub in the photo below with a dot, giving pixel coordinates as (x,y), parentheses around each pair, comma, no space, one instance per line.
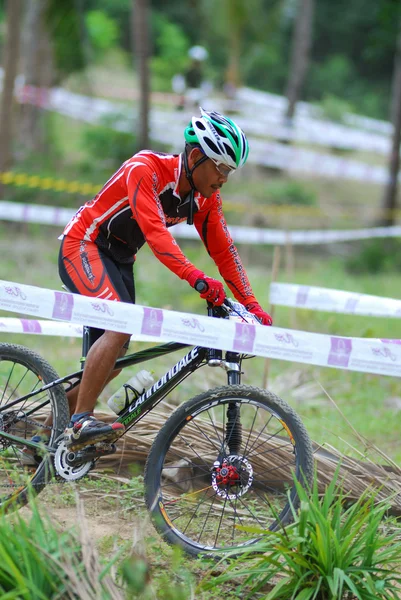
(227,475)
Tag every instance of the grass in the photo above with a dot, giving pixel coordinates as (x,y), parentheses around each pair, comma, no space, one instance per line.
(332,551)
(369,402)
(325,398)
(133,551)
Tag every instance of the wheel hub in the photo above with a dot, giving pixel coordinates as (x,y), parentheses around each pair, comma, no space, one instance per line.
(233,477)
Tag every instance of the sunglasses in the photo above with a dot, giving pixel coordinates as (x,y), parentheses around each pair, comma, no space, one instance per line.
(222,168)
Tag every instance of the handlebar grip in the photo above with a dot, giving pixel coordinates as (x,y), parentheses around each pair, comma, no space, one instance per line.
(201,286)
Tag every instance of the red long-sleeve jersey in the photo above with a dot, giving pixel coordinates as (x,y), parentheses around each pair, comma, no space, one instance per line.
(139,204)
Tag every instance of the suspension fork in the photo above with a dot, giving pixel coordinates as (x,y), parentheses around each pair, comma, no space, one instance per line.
(233,435)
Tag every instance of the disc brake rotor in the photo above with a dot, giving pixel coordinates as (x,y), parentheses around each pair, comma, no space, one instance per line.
(233,477)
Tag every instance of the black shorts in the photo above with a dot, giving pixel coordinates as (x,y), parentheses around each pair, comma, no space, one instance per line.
(86,269)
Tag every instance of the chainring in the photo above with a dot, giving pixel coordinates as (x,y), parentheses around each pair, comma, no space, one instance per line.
(67,471)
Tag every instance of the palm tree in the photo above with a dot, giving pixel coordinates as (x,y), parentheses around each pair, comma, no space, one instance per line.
(11,56)
(301,45)
(390,192)
(140,31)
(236,15)
(37,71)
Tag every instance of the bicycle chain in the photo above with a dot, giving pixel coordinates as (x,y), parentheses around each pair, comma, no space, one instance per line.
(55,480)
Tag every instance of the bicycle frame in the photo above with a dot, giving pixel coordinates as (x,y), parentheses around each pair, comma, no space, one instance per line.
(156,393)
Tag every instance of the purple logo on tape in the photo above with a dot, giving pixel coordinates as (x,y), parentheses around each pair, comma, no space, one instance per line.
(286,338)
(340,352)
(102,307)
(15,291)
(63,305)
(31,326)
(386,352)
(302,295)
(152,321)
(244,337)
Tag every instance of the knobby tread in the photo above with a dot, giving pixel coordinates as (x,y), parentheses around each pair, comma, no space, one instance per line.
(167,434)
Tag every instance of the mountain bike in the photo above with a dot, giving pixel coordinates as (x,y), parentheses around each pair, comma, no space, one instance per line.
(221,470)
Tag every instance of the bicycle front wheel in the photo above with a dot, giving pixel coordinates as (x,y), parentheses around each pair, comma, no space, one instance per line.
(221,471)
(26,410)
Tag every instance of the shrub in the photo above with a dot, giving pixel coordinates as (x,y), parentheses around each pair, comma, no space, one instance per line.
(334,108)
(103,32)
(375,256)
(330,552)
(110,143)
(171,52)
(290,192)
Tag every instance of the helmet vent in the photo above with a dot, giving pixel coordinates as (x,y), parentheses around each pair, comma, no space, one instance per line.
(220,131)
(212,145)
(230,152)
(200,125)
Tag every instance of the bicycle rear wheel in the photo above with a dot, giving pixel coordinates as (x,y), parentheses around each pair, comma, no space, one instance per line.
(24,407)
(224,464)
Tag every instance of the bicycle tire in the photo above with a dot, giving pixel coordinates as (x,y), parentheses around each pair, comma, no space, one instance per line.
(258,487)
(21,371)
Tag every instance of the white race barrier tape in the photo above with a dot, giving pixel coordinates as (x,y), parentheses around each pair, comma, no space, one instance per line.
(55,328)
(274,155)
(36,327)
(356,354)
(51,215)
(317,298)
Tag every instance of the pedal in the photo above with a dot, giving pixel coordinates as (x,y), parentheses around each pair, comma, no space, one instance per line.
(75,445)
(90,453)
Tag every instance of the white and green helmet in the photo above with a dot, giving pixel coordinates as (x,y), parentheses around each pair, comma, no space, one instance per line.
(219,137)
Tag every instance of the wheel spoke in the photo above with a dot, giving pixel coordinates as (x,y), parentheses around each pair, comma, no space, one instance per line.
(211,495)
(23,373)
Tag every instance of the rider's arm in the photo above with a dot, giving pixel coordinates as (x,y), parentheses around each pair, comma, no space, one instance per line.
(142,185)
(212,228)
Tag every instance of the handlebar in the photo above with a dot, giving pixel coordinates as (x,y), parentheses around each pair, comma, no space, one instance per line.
(201,286)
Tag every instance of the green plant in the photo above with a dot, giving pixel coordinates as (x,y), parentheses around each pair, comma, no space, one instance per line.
(172,52)
(110,143)
(334,108)
(333,551)
(376,256)
(290,192)
(102,30)
(31,553)
(334,75)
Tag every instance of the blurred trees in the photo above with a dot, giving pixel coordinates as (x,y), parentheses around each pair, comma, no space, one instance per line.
(37,65)
(52,47)
(248,42)
(390,192)
(10,65)
(300,54)
(140,28)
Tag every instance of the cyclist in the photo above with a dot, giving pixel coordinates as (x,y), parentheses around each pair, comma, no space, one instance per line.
(148,194)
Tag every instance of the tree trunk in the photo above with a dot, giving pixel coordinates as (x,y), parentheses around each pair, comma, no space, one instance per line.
(233,78)
(37,64)
(390,193)
(11,55)
(235,16)
(300,55)
(140,29)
